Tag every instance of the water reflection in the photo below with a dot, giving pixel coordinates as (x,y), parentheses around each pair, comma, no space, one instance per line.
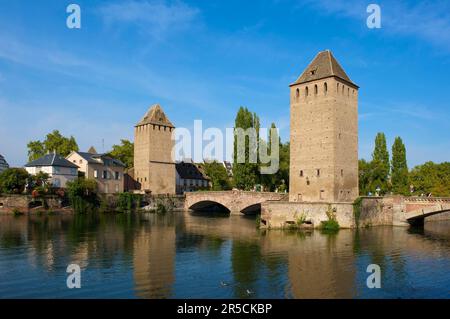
(182,255)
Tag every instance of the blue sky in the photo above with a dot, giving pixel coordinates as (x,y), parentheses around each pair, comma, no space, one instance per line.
(203,59)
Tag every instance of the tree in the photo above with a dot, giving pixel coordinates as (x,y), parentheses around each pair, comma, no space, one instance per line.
(218,175)
(280,179)
(365,176)
(399,168)
(380,164)
(54,142)
(431,178)
(13,180)
(82,194)
(246,174)
(123,152)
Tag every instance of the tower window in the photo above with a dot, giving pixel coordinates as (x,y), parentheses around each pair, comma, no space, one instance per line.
(322,194)
(315,89)
(342,172)
(343,89)
(337,87)
(348,92)
(325,88)
(301,173)
(297,93)
(306,91)
(318,172)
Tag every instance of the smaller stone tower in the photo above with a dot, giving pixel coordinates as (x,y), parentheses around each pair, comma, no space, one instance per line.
(154,168)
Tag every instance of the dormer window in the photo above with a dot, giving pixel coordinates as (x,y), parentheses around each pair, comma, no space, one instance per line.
(313,72)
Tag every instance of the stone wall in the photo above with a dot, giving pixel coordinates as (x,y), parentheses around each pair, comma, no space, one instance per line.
(376,211)
(26,203)
(280,214)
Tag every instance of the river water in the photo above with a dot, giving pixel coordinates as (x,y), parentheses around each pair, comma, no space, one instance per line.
(183,255)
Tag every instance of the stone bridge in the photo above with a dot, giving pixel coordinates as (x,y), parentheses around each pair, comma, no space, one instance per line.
(418,208)
(234,202)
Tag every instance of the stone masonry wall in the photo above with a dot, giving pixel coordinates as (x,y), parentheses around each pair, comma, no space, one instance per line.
(279,214)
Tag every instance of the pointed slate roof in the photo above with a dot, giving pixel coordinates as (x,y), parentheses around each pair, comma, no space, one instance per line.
(51,159)
(155,115)
(324,65)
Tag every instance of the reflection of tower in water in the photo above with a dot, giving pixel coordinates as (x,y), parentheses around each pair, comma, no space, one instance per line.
(154,259)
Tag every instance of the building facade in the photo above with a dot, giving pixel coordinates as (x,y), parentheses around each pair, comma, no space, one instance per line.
(107,171)
(324,133)
(3,164)
(190,177)
(154,167)
(57,167)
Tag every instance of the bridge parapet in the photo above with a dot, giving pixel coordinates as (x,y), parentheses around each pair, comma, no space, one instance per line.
(235,201)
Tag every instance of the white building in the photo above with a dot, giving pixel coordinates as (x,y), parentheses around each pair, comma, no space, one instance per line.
(57,167)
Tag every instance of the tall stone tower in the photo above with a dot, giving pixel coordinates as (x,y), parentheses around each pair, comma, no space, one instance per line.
(154,167)
(324,134)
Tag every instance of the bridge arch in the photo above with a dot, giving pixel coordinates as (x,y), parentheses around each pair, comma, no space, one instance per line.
(209,206)
(252,209)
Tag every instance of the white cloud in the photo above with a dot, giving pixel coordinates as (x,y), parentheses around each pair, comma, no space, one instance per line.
(156,18)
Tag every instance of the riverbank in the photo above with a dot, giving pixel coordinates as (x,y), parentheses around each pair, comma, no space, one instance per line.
(27,204)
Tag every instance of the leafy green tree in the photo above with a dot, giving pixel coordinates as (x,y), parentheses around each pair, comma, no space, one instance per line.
(380,164)
(246,174)
(431,178)
(13,180)
(218,175)
(124,152)
(399,169)
(54,142)
(82,194)
(365,176)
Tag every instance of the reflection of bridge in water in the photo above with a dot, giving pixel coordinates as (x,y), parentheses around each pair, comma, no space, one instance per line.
(233,202)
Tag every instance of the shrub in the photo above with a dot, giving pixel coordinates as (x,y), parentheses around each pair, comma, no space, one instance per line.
(82,194)
(161,208)
(128,202)
(13,180)
(17,212)
(331,224)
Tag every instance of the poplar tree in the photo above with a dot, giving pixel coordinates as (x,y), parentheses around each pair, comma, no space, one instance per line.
(380,164)
(399,168)
(246,174)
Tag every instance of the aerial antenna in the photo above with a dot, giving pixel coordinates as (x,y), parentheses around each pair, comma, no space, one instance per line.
(103,145)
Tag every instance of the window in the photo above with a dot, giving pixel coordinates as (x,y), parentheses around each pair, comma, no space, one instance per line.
(297,93)
(117,188)
(56,170)
(106,188)
(337,87)
(117,175)
(348,92)
(73,171)
(80,161)
(105,175)
(301,173)
(318,172)
(316,90)
(306,91)
(96,173)
(342,172)
(313,72)
(56,182)
(343,89)
(325,88)
(322,194)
